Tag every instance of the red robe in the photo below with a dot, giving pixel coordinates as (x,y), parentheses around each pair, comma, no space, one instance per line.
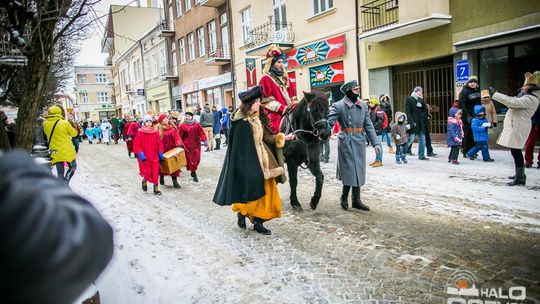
(132,129)
(170,140)
(274,100)
(191,135)
(148,142)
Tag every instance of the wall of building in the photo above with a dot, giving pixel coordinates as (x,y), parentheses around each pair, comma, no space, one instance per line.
(93,107)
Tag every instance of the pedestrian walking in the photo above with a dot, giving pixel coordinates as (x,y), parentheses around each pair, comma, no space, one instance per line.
(386,105)
(225,123)
(133,128)
(168,133)
(149,150)
(191,133)
(517,121)
(217,127)
(77,138)
(480,127)
(90,133)
(454,134)
(469,97)
(417,117)
(106,129)
(248,176)
(115,124)
(356,128)
(59,133)
(98,133)
(399,134)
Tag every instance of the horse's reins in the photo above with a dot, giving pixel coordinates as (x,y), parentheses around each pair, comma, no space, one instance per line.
(314,132)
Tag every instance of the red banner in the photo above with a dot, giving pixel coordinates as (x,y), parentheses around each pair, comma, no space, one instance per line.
(317,51)
(292,78)
(326,74)
(251,73)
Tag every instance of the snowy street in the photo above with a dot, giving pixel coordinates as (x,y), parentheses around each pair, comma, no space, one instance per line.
(427,220)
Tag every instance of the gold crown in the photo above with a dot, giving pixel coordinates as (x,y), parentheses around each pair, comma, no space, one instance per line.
(485,93)
(533,78)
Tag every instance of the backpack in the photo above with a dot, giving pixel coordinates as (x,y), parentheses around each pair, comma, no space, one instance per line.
(385,122)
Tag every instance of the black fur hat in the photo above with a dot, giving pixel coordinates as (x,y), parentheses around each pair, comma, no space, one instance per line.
(250,95)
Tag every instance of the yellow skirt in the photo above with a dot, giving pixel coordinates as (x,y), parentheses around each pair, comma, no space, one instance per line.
(266,208)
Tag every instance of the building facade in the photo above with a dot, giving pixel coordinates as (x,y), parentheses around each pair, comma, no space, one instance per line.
(437,44)
(318,37)
(198,36)
(94,90)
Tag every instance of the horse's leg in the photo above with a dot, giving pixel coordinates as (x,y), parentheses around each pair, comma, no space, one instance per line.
(315,169)
(292,168)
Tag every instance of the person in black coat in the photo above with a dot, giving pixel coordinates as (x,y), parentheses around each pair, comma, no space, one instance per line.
(468,98)
(417,115)
(386,105)
(54,243)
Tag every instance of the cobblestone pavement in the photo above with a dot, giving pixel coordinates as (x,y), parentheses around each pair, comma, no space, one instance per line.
(400,252)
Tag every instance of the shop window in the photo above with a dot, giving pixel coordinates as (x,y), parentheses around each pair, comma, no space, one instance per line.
(494,71)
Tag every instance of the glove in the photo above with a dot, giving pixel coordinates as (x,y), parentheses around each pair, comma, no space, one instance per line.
(398,137)
(492,91)
(160,154)
(205,143)
(378,149)
(457,139)
(486,125)
(141,155)
(494,124)
(408,126)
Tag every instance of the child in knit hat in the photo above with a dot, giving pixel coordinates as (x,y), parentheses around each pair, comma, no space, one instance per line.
(454,135)
(149,150)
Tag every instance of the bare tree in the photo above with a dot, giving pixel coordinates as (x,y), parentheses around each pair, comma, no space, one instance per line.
(51,25)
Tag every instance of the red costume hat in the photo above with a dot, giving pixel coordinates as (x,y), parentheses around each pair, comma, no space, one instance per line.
(161,117)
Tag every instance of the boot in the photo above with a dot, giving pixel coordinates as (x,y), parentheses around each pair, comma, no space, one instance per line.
(404,158)
(373,163)
(377,163)
(356,202)
(129,154)
(175,182)
(258,226)
(162,180)
(390,150)
(519,178)
(398,159)
(218,143)
(344,196)
(241,220)
(144,186)
(156,190)
(194,176)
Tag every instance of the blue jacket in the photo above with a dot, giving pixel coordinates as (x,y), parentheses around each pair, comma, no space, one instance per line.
(217,124)
(479,133)
(225,119)
(454,135)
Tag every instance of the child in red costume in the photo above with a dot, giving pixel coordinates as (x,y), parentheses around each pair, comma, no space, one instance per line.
(192,134)
(170,140)
(149,150)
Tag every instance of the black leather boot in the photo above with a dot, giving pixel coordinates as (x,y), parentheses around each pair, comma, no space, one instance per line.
(258,226)
(344,197)
(241,220)
(156,190)
(519,178)
(194,176)
(161,180)
(144,185)
(356,201)
(218,143)
(175,182)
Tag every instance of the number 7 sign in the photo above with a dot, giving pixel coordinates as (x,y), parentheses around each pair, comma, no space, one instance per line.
(462,70)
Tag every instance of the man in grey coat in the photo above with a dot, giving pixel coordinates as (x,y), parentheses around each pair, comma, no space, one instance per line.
(353,117)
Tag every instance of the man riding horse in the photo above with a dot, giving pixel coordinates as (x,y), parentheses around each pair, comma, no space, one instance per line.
(279,93)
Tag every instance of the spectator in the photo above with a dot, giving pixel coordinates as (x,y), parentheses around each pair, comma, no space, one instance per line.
(207,123)
(468,98)
(454,134)
(217,126)
(480,126)
(417,116)
(386,105)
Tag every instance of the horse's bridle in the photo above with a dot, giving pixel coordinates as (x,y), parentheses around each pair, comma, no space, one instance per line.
(315,130)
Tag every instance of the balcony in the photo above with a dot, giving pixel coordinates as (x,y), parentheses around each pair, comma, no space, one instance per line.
(385,19)
(261,37)
(220,56)
(169,73)
(9,54)
(108,61)
(213,3)
(128,89)
(166,30)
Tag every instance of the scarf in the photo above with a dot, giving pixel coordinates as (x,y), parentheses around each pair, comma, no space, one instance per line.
(146,129)
(278,76)
(189,122)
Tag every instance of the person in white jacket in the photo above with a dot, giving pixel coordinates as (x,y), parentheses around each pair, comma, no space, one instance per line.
(517,122)
(106,128)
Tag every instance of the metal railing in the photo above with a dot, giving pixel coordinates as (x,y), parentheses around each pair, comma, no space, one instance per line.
(169,71)
(379,13)
(221,51)
(9,54)
(270,32)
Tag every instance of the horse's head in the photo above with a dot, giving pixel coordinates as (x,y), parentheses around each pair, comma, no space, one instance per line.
(313,114)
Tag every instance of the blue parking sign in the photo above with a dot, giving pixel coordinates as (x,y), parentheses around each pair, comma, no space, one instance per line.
(462,70)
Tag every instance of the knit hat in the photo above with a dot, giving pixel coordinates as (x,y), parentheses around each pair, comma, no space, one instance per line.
(348,86)
(161,117)
(373,100)
(453,111)
(533,78)
(249,96)
(382,96)
(472,79)
(147,118)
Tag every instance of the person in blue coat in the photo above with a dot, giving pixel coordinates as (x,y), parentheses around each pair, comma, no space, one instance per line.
(225,123)
(480,126)
(217,127)
(454,134)
(97,132)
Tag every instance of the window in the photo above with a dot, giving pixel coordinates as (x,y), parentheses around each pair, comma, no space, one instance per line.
(225,41)
(84,97)
(123,80)
(155,70)
(280,16)
(391,4)
(148,73)
(102,97)
(246,24)
(200,41)
(101,78)
(164,59)
(223,18)
(320,6)
(191,46)
(171,19)
(188,5)
(81,78)
(212,38)
(192,100)
(182,44)
(178,8)
(139,70)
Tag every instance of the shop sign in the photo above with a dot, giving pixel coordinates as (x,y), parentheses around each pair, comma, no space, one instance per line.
(462,70)
(104,107)
(190,87)
(251,72)
(326,74)
(292,79)
(215,81)
(140,92)
(317,51)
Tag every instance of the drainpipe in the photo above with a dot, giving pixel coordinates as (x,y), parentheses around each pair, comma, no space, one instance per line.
(231,50)
(143,77)
(357,44)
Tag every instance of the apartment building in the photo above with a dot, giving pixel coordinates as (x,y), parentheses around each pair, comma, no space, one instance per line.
(198,46)
(93,87)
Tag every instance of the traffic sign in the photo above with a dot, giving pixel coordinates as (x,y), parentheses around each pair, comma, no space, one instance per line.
(462,70)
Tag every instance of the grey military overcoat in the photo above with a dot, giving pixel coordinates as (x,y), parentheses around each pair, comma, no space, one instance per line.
(351,165)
